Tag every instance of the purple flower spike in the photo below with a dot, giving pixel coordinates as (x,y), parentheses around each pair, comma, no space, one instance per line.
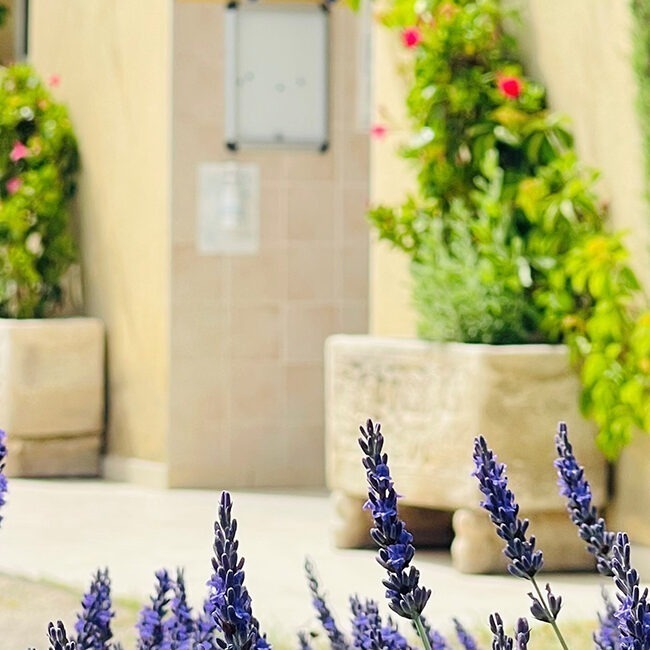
(206,628)
(232,603)
(607,637)
(150,626)
(93,624)
(406,597)
(178,629)
(58,637)
(583,513)
(436,640)
(501,641)
(3,478)
(525,561)
(466,640)
(336,637)
(633,614)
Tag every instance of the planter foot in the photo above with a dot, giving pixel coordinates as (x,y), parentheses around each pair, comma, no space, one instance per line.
(477,549)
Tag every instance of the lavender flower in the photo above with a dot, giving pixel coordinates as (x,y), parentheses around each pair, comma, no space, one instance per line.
(336,637)
(525,561)
(500,503)
(206,628)
(465,638)
(406,597)
(633,614)
(501,641)
(232,603)
(93,624)
(583,513)
(368,630)
(178,629)
(150,626)
(3,478)
(58,637)
(607,637)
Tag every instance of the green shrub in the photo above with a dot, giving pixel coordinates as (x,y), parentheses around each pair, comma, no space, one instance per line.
(38,166)
(506,236)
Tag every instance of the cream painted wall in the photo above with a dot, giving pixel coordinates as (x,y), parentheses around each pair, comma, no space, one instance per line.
(114,59)
(391,313)
(581,50)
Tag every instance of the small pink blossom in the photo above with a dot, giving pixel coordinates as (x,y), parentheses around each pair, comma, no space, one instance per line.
(18,152)
(378,131)
(411,37)
(14,184)
(54,80)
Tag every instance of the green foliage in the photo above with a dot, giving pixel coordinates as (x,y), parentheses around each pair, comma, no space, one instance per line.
(507,239)
(38,165)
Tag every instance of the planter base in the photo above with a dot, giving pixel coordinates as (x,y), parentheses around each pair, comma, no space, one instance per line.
(49,457)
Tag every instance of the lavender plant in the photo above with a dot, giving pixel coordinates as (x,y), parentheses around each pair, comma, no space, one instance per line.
(232,604)
(150,626)
(93,624)
(524,560)
(405,595)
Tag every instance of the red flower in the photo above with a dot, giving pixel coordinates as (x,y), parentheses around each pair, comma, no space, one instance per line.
(378,131)
(411,37)
(54,80)
(509,86)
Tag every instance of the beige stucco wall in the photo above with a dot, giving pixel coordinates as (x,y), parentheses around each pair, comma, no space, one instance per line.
(248,331)
(114,59)
(581,50)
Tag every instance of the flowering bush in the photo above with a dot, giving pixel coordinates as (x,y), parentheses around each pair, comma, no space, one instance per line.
(38,166)
(506,237)
(226,621)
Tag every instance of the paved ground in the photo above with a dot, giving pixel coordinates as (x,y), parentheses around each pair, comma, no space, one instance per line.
(61,531)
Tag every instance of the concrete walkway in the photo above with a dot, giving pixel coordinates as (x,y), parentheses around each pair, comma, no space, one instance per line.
(62,531)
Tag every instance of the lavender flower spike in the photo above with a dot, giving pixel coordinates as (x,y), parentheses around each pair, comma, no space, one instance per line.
(583,513)
(406,597)
(467,641)
(178,629)
(336,638)
(93,624)
(3,478)
(150,626)
(59,637)
(501,641)
(500,503)
(634,612)
(232,603)
(607,637)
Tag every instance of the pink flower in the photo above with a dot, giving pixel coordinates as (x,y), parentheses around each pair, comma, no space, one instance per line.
(18,152)
(14,184)
(378,131)
(509,86)
(411,37)
(54,80)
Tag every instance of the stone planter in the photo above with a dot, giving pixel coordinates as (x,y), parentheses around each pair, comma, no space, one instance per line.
(52,395)
(432,399)
(631,502)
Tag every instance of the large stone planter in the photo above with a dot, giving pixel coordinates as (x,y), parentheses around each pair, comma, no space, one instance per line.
(631,502)
(52,395)
(432,399)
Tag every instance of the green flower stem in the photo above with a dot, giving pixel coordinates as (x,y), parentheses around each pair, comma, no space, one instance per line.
(422,633)
(551,618)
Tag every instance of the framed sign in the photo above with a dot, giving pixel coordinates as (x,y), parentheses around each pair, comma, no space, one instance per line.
(277,75)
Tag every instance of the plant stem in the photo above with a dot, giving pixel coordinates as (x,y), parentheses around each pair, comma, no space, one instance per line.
(551,618)
(422,633)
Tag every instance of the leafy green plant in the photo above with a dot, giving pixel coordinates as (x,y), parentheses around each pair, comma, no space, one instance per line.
(38,166)
(507,239)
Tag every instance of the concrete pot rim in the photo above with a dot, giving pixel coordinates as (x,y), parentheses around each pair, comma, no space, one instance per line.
(520,349)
